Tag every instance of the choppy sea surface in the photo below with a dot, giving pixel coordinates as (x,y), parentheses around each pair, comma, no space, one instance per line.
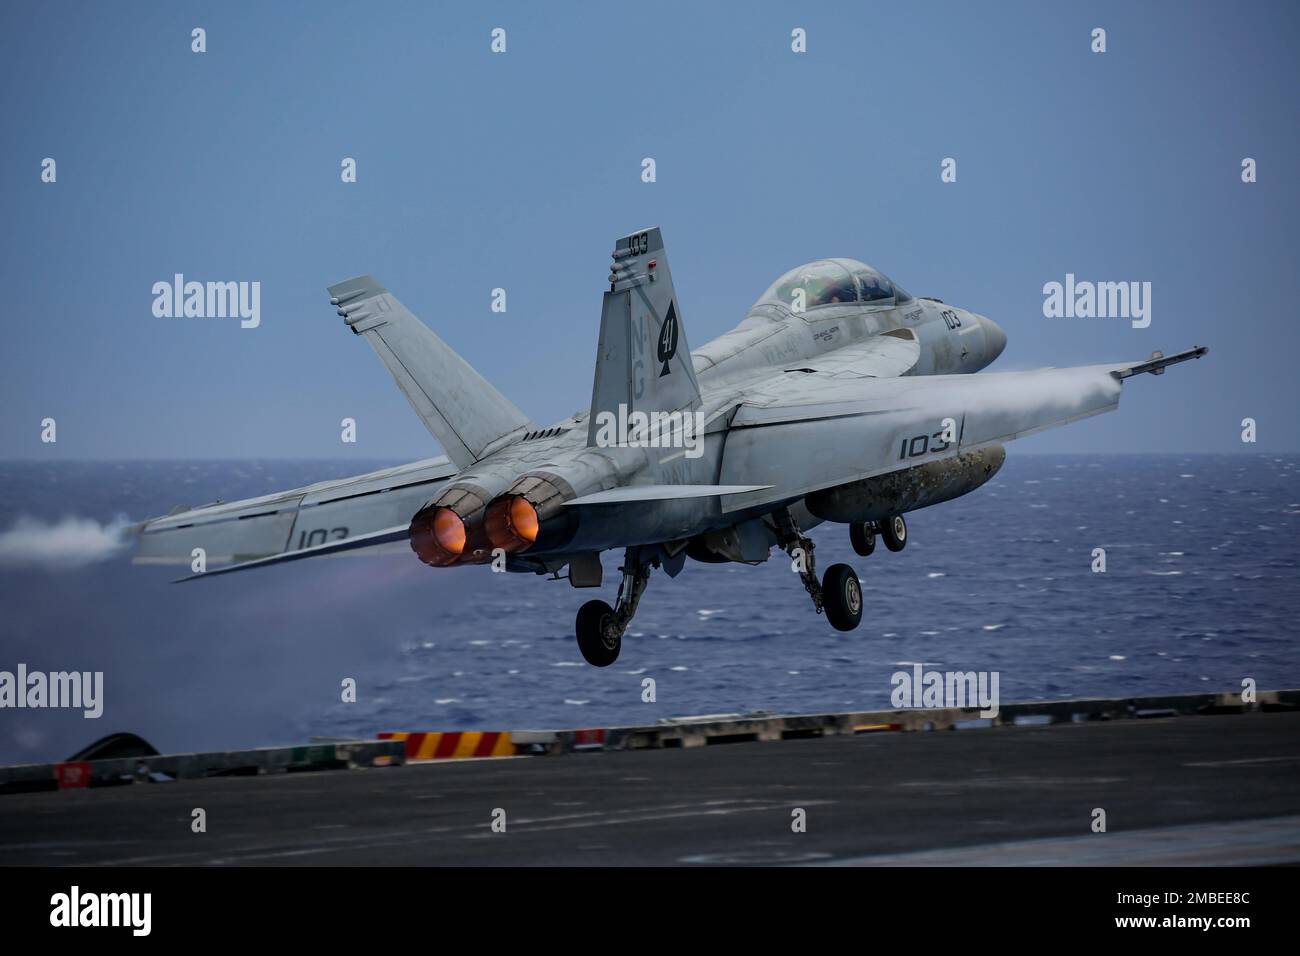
(1200,592)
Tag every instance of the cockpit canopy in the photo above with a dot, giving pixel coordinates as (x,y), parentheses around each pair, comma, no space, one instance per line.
(833,282)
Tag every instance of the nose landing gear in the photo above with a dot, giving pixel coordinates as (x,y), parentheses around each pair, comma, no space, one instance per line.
(863,537)
(892,530)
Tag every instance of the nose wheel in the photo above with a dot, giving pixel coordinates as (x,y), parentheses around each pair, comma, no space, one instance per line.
(892,530)
(894,533)
(863,538)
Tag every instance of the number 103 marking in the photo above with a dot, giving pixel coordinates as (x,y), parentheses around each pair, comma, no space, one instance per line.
(920,445)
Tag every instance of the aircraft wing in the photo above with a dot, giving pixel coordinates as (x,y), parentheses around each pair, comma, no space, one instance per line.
(807,430)
(323,518)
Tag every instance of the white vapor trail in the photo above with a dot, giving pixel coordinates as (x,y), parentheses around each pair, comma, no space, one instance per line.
(71,542)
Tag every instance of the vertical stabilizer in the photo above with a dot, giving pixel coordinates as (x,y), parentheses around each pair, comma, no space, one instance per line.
(643,362)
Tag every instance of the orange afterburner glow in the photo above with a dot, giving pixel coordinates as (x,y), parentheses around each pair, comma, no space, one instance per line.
(438,537)
(449,530)
(511,523)
(523,519)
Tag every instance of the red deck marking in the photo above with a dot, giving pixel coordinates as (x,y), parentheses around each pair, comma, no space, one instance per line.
(72,775)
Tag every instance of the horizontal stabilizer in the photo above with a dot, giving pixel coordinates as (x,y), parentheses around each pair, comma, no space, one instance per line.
(460,408)
(374,539)
(615,496)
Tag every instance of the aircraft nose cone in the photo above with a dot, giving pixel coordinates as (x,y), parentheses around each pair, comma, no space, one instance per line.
(995,340)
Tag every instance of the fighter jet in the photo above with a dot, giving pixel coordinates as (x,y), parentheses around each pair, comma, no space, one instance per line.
(839,398)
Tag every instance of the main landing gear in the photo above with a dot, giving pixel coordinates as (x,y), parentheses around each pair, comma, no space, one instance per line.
(839,593)
(892,530)
(600,627)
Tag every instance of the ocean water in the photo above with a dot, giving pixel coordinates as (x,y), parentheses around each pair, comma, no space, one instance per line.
(1200,592)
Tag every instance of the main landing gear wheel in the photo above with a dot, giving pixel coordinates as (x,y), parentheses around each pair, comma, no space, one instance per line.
(839,593)
(863,538)
(842,597)
(599,627)
(598,638)
(894,532)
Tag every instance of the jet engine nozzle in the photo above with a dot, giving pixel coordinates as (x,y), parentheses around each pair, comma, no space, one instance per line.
(449,529)
(531,514)
(438,536)
(511,523)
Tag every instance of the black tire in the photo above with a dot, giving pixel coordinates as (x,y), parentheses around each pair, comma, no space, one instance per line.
(863,538)
(590,627)
(842,597)
(894,532)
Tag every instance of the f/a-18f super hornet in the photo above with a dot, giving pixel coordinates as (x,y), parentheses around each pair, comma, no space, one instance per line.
(840,398)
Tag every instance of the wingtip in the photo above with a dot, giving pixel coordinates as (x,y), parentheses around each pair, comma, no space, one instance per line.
(354,288)
(1158,362)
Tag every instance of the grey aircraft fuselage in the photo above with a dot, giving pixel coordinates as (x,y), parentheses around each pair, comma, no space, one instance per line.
(771,339)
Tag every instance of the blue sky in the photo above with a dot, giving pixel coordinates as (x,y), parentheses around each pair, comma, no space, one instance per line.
(519,170)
